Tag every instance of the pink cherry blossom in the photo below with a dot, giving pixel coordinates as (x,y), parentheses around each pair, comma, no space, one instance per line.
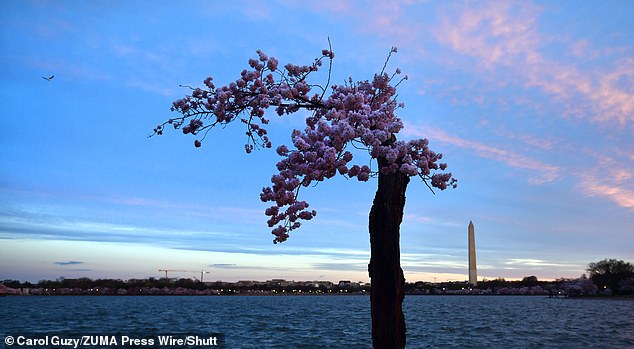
(355,114)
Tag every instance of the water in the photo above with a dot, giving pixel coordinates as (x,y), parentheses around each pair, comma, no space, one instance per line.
(334,321)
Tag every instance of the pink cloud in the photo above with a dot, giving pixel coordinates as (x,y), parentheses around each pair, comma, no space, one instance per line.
(530,140)
(489,33)
(384,19)
(503,36)
(546,172)
(596,186)
(387,19)
(615,94)
(610,179)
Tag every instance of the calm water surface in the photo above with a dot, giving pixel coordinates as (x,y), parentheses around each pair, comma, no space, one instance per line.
(334,321)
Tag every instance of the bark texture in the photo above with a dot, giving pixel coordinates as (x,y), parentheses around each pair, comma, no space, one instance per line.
(388,282)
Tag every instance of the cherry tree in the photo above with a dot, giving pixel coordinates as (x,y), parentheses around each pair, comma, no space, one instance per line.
(353,115)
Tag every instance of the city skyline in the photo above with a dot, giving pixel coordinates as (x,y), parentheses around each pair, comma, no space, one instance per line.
(530,103)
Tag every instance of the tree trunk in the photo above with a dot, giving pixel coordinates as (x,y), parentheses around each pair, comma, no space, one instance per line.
(388,282)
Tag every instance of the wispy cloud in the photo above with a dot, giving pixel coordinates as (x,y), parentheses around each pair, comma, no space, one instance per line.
(503,37)
(388,19)
(352,266)
(532,263)
(250,215)
(495,33)
(44,226)
(525,138)
(544,172)
(417,218)
(612,178)
(68,263)
(384,19)
(224,265)
(615,184)
(621,196)
(615,95)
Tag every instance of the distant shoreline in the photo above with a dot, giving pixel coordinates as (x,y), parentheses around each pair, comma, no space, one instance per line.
(363,294)
(529,286)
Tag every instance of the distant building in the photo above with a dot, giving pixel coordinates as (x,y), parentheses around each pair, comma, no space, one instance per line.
(245,283)
(344,283)
(473,273)
(279,283)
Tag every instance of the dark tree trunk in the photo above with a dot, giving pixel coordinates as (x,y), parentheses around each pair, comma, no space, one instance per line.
(387,290)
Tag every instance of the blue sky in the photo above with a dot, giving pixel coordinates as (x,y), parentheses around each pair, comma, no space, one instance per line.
(531,103)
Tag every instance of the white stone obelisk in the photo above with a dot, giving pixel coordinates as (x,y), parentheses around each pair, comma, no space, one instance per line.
(473,274)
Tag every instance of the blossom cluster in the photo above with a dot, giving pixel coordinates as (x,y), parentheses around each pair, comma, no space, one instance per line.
(262,86)
(361,115)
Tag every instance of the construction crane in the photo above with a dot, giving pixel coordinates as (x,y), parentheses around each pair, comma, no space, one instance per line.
(171,270)
(202,272)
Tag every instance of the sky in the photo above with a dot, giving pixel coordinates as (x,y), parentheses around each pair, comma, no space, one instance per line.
(531,104)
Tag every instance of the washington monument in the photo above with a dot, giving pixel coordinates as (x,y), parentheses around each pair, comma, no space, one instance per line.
(473,273)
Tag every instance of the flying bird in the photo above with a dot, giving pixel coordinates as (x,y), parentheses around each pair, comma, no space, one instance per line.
(49,78)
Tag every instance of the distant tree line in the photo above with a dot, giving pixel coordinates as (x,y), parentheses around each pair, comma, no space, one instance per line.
(183,286)
(85,283)
(612,274)
(606,277)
